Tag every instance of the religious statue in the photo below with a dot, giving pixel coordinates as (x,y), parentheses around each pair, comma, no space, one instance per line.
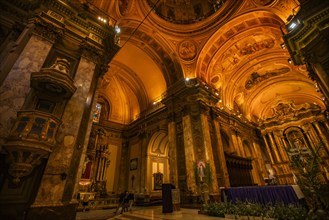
(201,170)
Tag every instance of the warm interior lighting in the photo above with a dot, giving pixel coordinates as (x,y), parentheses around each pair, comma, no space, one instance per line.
(289,61)
(283,46)
(117,29)
(187,79)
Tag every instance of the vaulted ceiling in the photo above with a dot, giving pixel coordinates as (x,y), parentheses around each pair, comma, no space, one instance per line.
(236,47)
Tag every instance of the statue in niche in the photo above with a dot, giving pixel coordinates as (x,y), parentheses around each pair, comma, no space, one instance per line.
(297,145)
(86,168)
(201,170)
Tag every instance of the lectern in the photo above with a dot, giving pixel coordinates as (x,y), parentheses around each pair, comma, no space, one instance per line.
(167,205)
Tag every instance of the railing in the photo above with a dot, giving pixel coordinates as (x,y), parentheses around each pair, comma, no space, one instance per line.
(36,126)
(101,203)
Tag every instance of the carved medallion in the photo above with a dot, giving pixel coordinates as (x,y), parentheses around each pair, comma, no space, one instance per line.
(187,50)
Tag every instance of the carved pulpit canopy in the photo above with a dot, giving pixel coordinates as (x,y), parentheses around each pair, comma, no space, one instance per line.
(284,112)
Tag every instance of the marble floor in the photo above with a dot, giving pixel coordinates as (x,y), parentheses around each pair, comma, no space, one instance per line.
(144,213)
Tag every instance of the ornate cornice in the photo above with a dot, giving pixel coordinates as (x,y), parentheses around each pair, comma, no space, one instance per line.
(47,30)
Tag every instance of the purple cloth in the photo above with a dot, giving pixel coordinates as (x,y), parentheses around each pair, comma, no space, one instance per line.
(262,194)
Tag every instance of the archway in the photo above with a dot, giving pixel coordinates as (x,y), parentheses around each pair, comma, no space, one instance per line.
(157,163)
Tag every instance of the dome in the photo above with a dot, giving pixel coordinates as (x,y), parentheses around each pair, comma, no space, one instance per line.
(185,11)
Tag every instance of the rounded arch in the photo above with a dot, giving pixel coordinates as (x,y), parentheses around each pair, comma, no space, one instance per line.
(297,141)
(223,37)
(158,144)
(105,108)
(157,161)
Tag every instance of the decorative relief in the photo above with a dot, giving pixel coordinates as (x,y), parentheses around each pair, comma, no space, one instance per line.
(187,50)
(233,55)
(255,78)
(288,111)
(257,46)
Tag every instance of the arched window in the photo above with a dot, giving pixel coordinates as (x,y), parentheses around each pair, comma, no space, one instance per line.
(102,110)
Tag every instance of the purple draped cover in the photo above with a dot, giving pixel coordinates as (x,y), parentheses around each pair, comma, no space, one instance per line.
(262,194)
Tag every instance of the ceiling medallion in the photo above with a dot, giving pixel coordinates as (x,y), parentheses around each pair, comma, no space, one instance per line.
(187,50)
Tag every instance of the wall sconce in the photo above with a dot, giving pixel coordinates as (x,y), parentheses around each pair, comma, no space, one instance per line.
(117,29)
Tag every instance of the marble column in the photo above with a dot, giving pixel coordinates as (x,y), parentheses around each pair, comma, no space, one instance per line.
(172,153)
(16,86)
(209,154)
(282,151)
(60,161)
(322,135)
(222,161)
(189,154)
(274,147)
(286,146)
(260,161)
(268,148)
(235,143)
(145,162)
(241,147)
(310,134)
